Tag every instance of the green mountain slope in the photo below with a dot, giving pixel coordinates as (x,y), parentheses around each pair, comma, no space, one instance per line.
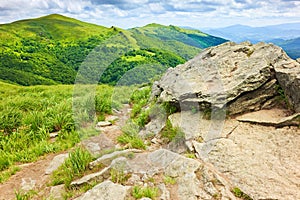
(51,49)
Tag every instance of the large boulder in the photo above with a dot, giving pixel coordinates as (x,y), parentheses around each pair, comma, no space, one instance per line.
(221,75)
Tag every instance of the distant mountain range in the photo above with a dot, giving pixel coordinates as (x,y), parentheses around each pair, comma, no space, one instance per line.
(286,36)
(51,49)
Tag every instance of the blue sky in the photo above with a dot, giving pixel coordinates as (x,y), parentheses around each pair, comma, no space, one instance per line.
(132,13)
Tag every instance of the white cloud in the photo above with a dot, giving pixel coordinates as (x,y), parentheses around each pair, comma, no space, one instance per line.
(130,13)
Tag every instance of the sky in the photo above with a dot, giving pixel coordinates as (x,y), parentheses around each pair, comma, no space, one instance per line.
(134,13)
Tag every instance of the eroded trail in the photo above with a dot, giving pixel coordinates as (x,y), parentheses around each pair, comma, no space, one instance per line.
(33,176)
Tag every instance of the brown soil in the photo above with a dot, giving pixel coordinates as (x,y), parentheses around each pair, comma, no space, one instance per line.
(33,171)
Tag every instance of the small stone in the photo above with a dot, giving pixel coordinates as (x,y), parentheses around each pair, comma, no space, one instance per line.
(27,184)
(155,141)
(134,179)
(56,192)
(92,147)
(103,124)
(56,163)
(112,118)
(53,135)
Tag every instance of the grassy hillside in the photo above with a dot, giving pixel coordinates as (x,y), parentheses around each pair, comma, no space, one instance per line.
(29,114)
(50,49)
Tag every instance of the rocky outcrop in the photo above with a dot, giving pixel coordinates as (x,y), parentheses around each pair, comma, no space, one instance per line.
(192,179)
(256,151)
(250,151)
(241,76)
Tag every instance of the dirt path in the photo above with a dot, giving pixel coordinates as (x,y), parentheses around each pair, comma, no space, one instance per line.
(33,174)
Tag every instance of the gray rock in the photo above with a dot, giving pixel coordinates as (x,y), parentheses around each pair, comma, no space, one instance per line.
(157,122)
(104,191)
(189,187)
(153,128)
(261,160)
(107,158)
(103,124)
(91,177)
(260,117)
(56,163)
(56,192)
(288,76)
(221,75)
(97,144)
(28,184)
(165,194)
(121,164)
(181,166)
(135,179)
(112,118)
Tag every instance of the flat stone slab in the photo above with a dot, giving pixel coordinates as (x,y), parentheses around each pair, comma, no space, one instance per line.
(103,124)
(263,161)
(90,177)
(107,158)
(274,117)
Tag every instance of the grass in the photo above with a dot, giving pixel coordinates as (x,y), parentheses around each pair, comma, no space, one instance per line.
(71,193)
(240,194)
(190,155)
(169,180)
(139,118)
(29,114)
(130,136)
(73,167)
(50,50)
(169,108)
(282,98)
(171,133)
(21,195)
(4,175)
(119,176)
(139,192)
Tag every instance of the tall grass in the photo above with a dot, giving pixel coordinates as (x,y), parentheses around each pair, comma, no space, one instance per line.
(29,114)
(73,167)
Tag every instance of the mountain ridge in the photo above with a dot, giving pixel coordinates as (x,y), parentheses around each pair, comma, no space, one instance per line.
(53,47)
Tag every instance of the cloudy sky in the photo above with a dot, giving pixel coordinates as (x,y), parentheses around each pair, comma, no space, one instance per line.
(132,13)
